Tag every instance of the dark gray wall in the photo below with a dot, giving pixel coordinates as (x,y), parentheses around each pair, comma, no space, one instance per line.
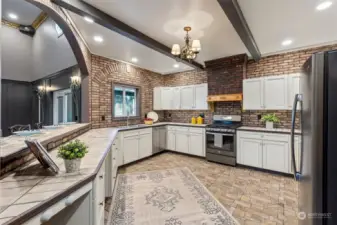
(16,104)
(16,55)
(50,52)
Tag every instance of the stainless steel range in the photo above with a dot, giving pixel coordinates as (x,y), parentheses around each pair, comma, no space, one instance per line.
(221,139)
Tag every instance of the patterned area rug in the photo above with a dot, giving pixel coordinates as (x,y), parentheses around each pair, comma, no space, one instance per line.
(165,197)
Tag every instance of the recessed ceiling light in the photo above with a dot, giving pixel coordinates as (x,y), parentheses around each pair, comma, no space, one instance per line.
(134,59)
(176,65)
(98,38)
(12,16)
(324,5)
(88,19)
(287,42)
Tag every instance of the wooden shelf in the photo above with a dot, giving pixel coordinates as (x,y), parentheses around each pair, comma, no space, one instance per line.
(225,98)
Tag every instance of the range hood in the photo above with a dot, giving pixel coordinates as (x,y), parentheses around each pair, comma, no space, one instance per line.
(225,98)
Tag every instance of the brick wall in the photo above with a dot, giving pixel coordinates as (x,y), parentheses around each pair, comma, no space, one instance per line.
(105,72)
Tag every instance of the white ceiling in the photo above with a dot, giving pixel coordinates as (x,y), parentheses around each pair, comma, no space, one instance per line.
(164,21)
(273,21)
(25,11)
(116,46)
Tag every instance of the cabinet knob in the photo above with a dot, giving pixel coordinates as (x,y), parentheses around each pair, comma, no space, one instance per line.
(101,176)
(70,200)
(101,203)
(46,216)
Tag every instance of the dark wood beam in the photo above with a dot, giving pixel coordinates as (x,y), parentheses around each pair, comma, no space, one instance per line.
(84,9)
(235,16)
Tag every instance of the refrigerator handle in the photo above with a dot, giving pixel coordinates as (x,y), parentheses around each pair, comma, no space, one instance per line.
(297,175)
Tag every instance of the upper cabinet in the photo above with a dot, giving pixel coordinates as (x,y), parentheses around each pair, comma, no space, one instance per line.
(270,93)
(253,93)
(192,97)
(275,92)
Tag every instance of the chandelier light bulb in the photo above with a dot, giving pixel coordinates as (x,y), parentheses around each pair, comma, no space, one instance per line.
(175,49)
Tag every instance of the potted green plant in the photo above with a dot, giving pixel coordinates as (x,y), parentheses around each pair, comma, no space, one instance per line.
(270,119)
(72,153)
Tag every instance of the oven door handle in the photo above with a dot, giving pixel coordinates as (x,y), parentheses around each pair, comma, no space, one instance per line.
(221,134)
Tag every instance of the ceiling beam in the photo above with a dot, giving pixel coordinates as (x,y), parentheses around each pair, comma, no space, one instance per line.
(235,16)
(82,8)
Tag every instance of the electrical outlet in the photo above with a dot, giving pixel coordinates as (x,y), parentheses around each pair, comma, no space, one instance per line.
(103,118)
(258,116)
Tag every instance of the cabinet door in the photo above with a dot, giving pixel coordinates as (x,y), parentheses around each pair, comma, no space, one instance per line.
(253,94)
(157,98)
(275,92)
(196,144)
(130,149)
(162,138)
(166,98)
(250,152)
(176,98)
(171,140)
(276,156)
(201,93)
(187,97)
(145,145)
(182,142)
(293,89)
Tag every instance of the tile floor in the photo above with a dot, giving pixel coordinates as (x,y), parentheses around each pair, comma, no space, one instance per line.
(253,197)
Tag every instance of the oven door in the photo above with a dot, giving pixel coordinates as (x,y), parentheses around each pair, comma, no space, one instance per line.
(221,143)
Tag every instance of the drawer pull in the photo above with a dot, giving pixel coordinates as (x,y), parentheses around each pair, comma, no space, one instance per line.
(46,216)
(101,176)
(70,200)
(101,203)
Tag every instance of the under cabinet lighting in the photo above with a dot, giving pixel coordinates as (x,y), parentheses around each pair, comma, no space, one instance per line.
(98,39)
(13,16)
(88,19)
(176,65)
(134,59)
(324,5)
(287,42)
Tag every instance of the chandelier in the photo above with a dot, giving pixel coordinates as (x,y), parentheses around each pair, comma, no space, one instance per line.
(189,51)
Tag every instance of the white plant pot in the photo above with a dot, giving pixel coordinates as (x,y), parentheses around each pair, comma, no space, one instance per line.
(72,165)
(269,125)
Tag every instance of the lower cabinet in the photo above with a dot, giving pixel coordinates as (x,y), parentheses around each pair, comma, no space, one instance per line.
(264,150)
(275,156)
(196,144)
(250,152)
(171,140)
(182,142)
(162,138)
(99,196)
(136,144)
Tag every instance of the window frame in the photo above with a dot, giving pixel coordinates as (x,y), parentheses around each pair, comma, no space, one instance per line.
(138,100)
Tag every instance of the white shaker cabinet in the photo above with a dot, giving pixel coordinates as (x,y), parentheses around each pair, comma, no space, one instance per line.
(162,138)
(275,92)
(196,144)
(130,148)
(253,94)
(166,98)
(145,145)
(250,152)
(157,98)
(187,97)
(182,141)
(171,140)
(201,93)
(293,88)
(275,156)
(176,98)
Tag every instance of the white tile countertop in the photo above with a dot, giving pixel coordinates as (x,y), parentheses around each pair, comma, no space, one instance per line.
(13,144)
(263,129)
(29,187)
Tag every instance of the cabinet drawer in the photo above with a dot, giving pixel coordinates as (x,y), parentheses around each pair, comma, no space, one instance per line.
(183,129)
(130,133)
(145,131)
(251,135)
(276,137)
(171,128)
(196,130)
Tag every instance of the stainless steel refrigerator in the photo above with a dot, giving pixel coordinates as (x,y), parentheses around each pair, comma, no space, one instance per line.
(317,171)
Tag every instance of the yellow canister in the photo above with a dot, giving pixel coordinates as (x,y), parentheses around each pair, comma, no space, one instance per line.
(200,120)
(193,120)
